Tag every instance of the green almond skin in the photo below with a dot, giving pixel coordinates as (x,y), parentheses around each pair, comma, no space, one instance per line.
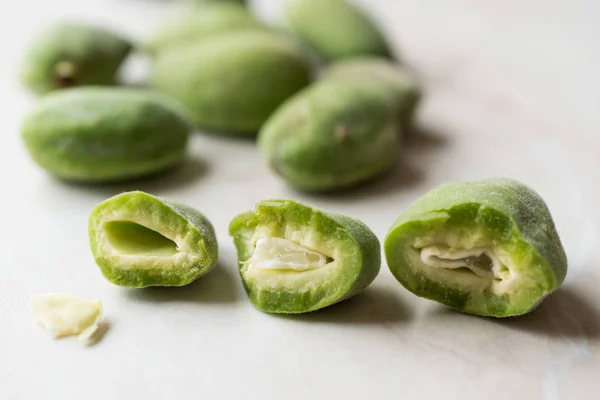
(333,135)
(203,3)
(139,240)
(231,83)
(336,29)
(96,134)
(502,214)
(202,22)
(395,81)
(354,247)
(71,54)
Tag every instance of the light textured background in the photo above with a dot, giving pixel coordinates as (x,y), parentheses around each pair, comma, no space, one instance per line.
(513,90)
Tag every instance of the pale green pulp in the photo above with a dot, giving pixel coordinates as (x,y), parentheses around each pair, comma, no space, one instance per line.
(130,238)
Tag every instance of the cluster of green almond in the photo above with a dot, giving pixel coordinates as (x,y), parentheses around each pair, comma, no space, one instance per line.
(325,98)
(329,104)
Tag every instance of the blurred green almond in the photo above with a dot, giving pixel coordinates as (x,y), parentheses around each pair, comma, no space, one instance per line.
(95,134)
(211,2)
(337,29)
(231,83)
(202,22)
(71,54)
(333,135)
(395,80)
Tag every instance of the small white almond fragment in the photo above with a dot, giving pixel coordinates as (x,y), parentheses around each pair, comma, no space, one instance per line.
(65,315)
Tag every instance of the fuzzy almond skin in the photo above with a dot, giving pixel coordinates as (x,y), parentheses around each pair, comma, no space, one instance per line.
(333,135)
(71,54)
(395,81)
(505,213)
(95,134)
(336,29)
(193,226)
(203,22)
(231,83)
(355,245)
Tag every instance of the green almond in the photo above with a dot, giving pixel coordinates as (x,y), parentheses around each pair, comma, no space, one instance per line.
(395,81)
(487,247)
(71,54)
(231,83)
(336,29)
(332,135)
(200,23)
(216,2)
(294,258)
(94,134)
(139,240)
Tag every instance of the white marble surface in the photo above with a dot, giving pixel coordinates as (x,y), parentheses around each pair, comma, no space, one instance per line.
(513,90)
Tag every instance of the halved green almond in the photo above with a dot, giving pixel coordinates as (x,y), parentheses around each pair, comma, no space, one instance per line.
(294,258)
(486,247)
(139,240)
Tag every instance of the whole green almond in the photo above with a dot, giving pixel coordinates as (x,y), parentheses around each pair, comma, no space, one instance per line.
(294,258)
(396,80)
(73,54)
(139,240)
(203,22)
(105,134)
(336,29)
(486,247)
(211,2)
(231,83)
(332,135)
